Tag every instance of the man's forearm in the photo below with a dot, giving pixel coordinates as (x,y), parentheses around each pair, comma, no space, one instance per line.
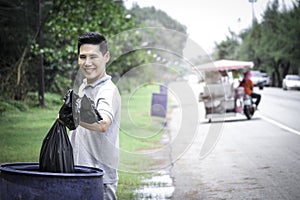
(101,126)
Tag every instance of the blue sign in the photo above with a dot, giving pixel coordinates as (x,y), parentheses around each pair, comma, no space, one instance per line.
(163,89)
(159,105)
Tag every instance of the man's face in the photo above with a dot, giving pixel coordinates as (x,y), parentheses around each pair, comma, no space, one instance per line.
(91,62)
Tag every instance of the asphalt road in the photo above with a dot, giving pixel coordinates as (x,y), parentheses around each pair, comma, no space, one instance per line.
(239,158)
(281,106)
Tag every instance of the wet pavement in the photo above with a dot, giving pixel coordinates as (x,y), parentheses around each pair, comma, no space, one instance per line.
(250,159)
(247,159)
(159,186)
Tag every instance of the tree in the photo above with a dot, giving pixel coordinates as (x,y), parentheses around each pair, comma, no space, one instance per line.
(44,47)
(227,49)
(273,45)
(61,23)
(17,32)
(65,25)
(157,28)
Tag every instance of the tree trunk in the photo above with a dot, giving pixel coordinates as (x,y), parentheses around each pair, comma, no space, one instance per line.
(286,68)
(277,82)
(41,84)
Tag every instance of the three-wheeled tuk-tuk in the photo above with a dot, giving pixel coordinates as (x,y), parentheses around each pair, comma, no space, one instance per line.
(221,94)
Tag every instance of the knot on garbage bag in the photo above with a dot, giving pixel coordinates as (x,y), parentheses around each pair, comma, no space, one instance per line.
(68,113)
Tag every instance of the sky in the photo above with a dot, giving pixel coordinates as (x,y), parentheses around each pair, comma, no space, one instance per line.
(209,21)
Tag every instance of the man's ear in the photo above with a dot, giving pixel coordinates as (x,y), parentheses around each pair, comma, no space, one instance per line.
(107,56)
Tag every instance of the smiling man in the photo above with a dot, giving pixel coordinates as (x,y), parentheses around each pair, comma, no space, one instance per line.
(96,144)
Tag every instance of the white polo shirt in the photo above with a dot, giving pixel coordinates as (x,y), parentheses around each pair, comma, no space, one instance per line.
(100,149)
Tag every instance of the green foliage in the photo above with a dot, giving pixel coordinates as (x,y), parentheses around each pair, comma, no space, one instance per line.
(156,28)
(17,27)
(126,53)
(51,99)
(30,101)
(227,49)
(151,17)
(12,105)
(273,45)
(54,40)
(5,106)
(69,20)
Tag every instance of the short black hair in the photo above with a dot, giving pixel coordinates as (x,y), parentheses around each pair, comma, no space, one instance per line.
(93,38)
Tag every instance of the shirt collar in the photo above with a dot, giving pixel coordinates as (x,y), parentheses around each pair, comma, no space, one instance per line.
(98,82)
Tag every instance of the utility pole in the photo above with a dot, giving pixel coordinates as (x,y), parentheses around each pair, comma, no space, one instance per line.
(252,3)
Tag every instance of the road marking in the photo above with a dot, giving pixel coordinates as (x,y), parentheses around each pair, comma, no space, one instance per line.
(279,124)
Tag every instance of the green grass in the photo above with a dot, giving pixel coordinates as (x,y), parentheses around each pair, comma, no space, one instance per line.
(138,128)
(22,133)
(139,131)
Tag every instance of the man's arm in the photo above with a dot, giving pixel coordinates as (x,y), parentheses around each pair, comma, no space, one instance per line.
(102,126)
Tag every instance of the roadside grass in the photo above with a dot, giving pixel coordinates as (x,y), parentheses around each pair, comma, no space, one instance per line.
(138,128)
(138,131)
(23,127)
(22,133)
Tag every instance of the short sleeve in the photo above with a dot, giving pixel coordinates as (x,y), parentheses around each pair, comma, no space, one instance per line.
(108,101)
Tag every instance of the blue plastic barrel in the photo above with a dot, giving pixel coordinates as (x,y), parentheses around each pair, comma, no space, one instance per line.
(25,181)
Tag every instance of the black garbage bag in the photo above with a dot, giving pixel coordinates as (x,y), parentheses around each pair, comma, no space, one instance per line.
(56,154)
(69,112)
(88,111)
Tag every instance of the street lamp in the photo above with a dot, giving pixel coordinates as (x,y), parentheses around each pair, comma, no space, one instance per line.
(252,2)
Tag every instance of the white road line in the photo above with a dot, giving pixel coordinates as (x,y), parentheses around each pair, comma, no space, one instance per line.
(278,124)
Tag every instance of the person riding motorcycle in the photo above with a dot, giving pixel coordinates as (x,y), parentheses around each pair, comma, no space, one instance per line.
(247,84)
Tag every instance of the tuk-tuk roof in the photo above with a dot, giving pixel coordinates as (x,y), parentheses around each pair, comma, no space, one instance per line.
(221,65)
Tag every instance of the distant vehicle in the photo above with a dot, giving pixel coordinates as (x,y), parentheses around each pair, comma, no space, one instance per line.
(260,79)
(221,98)
(266,79)
(291,82)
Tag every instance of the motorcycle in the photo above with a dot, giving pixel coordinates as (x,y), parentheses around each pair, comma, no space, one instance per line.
(244,103)
(220,97)
(248,107)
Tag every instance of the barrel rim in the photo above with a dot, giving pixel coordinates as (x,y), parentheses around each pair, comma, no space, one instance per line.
(16,168)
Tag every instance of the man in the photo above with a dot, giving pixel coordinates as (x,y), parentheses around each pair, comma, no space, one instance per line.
(96,144)
(248,86)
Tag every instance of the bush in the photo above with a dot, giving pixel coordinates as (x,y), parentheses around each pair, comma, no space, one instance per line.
(19,105)
(31,100)
(12,105)
(5,106)
(51,99)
